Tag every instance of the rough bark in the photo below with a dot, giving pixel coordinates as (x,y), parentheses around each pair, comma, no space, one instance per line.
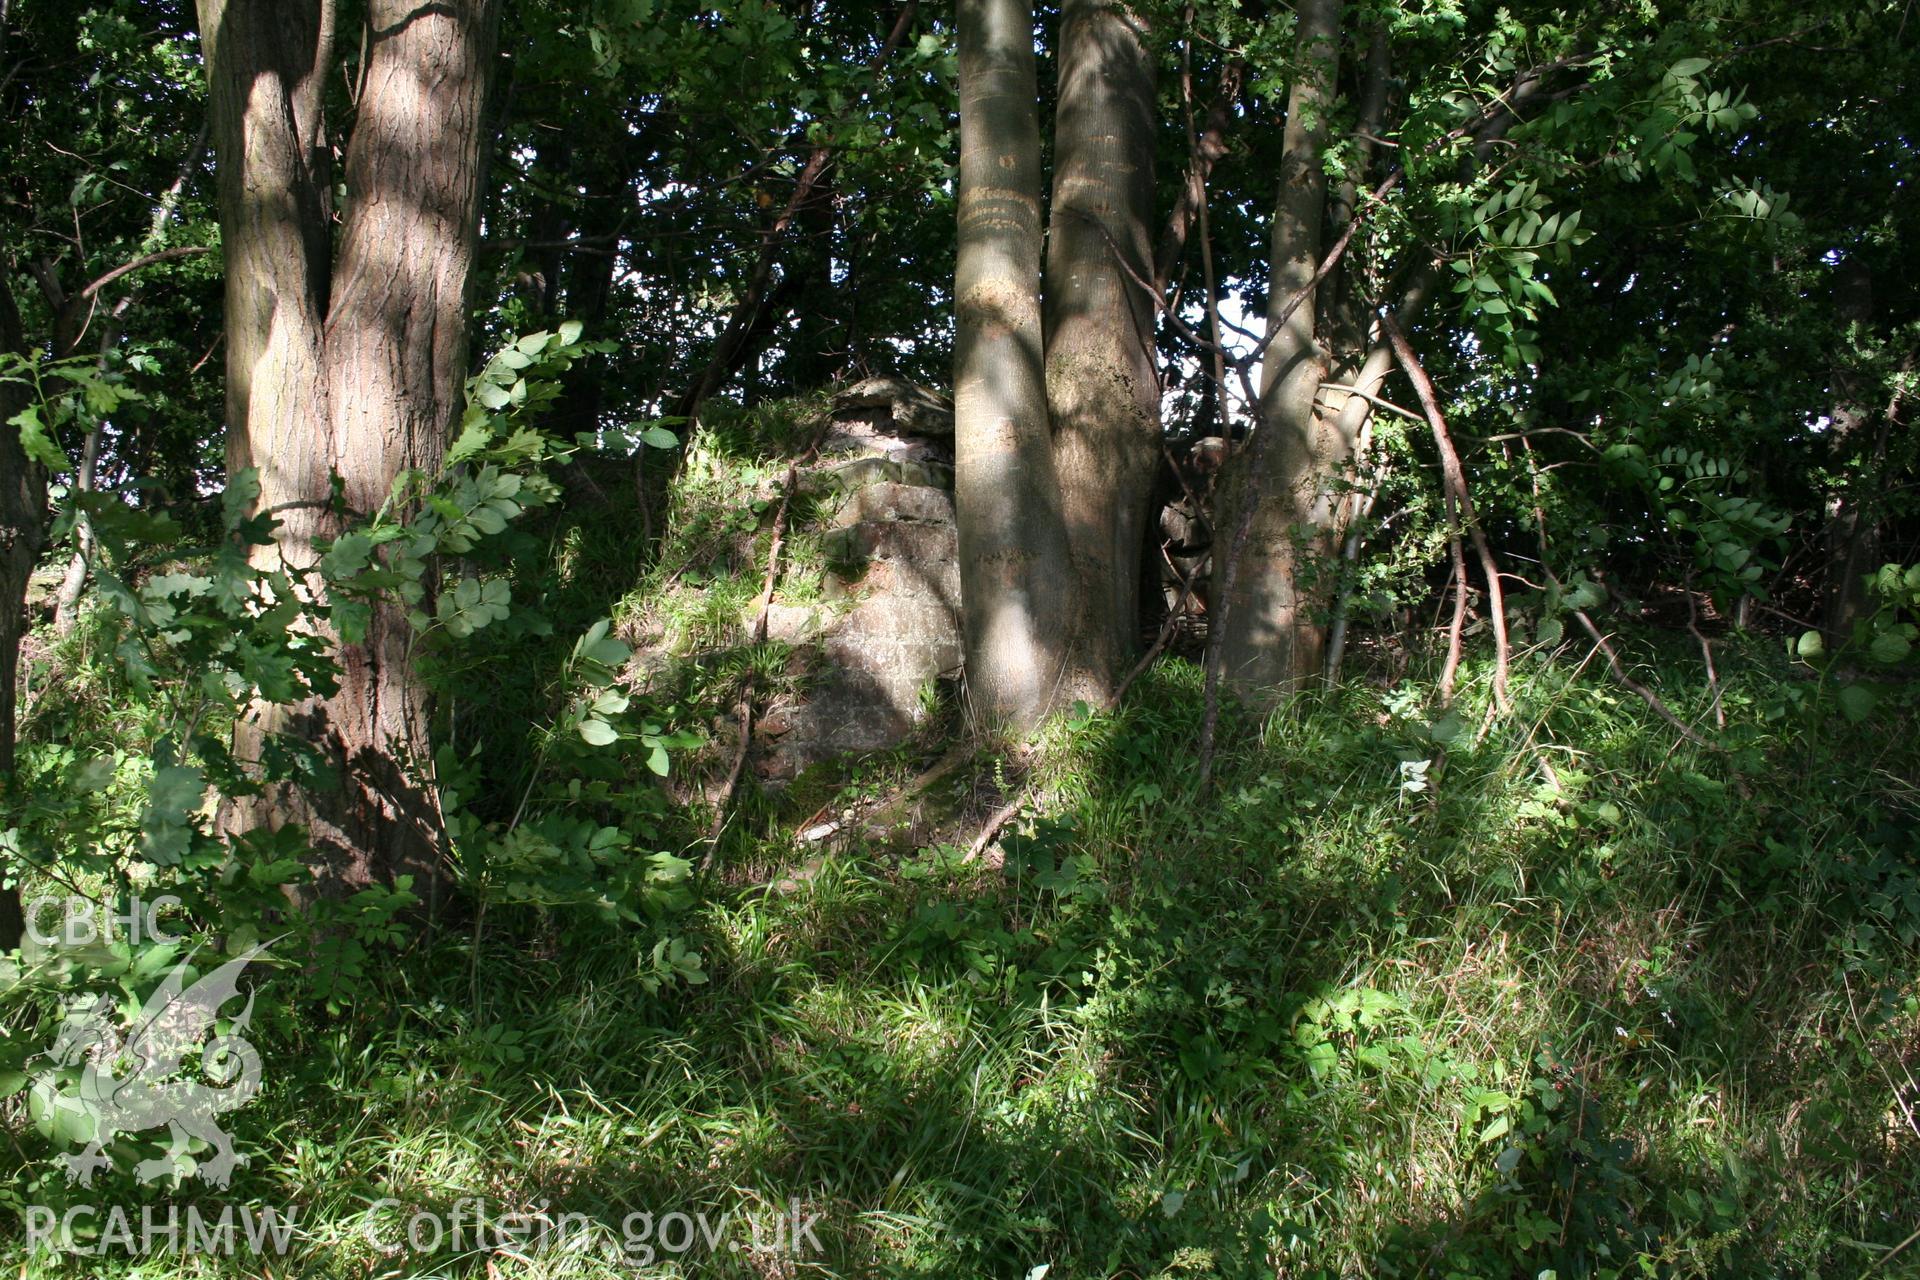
(1274,640)
(1012,546)
(352,369)
(1103,388)
(396,348)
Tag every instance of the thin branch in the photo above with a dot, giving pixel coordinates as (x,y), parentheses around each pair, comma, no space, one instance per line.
(743,711)
(1374,400)
(1456,626)
(1706,652)
(145,260)
(1456,481)
(1205,149)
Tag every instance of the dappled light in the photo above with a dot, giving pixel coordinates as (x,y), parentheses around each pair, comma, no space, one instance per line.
(1099,638)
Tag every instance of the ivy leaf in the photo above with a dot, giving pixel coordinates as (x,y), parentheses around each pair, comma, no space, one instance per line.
(351,618)
(349,554)
(237,499)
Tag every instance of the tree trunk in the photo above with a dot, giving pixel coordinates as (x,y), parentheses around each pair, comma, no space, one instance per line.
(1013,569)
(1345,302)
(23,523)
(1853,512)
(1103,386)
(396,348)
(1275,632)
(355,370)
(265,70)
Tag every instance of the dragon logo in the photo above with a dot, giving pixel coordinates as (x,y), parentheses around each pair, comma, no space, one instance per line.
(130,1078)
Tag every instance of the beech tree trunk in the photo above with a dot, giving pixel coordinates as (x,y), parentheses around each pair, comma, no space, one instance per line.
(351,367)
(1013,565)
(1103,386)
(1278,596)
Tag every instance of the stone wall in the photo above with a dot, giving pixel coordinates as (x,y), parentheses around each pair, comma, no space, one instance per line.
(890,625)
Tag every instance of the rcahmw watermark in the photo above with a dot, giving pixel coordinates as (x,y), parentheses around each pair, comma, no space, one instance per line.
(159,1228)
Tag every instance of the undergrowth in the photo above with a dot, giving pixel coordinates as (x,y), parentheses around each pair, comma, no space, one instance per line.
(1403,994)
(1395,998)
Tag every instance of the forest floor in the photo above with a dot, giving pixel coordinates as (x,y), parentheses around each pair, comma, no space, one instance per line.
(1403,994)
(1573,999)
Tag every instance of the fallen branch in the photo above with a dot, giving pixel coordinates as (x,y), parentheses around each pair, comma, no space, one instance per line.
(813,830)
(1645,694)
(743,715)
(996,824)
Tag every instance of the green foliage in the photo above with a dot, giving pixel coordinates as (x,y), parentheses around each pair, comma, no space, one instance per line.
(63,399)
(1504,1024)
(201,635)
(1406,994)
(1851,675)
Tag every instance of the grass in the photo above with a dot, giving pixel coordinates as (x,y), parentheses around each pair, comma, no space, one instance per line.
(1584,1003)
(1397,997)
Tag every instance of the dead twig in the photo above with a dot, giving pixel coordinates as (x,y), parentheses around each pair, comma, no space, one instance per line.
(1706,652)
(743,711)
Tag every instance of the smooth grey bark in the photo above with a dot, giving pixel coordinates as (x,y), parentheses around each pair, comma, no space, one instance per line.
(1273,640)
(1013,563)
(347,358)
(1103,388)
